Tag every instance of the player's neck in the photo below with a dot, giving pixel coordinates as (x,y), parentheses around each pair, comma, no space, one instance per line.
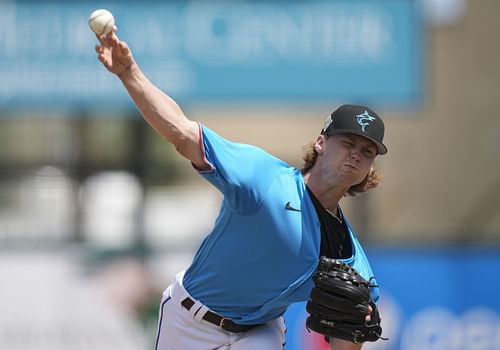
(328,196)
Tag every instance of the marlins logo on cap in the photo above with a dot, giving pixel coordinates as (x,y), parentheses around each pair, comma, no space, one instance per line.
(355,119)
(364,119)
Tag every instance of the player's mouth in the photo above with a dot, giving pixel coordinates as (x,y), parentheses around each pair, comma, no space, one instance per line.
(351,166)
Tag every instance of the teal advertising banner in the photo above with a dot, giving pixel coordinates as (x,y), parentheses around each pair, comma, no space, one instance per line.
(217,51)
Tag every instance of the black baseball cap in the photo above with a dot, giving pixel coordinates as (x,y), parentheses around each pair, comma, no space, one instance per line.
(359,120)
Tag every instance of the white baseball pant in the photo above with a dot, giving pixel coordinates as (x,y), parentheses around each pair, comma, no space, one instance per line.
(180,329)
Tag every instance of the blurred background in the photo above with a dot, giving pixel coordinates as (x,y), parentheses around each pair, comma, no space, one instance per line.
(98,213)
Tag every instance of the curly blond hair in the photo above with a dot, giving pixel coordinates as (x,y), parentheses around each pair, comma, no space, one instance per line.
(371,180)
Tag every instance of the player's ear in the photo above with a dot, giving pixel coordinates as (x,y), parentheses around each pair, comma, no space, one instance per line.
(320,144)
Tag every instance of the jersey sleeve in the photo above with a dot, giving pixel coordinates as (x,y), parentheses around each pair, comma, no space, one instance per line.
(243,173)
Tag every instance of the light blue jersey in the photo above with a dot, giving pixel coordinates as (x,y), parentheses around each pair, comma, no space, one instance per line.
(261,253)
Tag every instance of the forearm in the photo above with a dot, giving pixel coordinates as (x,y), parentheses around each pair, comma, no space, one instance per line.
(339,344)
(162,113)
(159,110)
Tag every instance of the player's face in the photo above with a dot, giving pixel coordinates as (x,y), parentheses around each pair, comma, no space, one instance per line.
(348,157)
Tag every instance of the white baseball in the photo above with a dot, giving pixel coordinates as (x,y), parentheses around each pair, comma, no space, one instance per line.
(101,21)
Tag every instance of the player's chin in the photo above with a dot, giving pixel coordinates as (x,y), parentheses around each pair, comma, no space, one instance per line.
(356,175)
(351,180)
(351,175)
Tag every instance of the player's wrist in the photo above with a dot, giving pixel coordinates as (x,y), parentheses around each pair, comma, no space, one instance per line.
(341,344)
(130,73)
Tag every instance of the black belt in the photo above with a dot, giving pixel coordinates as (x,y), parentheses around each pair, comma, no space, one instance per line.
(223,322)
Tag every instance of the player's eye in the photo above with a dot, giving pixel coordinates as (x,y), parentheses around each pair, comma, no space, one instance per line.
(368,152)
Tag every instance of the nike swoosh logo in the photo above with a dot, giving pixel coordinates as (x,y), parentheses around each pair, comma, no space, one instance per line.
(289,207)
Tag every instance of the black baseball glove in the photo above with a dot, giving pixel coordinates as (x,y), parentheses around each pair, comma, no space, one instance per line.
(339,303)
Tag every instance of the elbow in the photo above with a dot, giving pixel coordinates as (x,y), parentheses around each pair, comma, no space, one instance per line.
(180,144)
(187,142)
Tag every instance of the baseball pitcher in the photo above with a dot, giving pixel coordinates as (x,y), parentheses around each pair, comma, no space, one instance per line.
(275,225)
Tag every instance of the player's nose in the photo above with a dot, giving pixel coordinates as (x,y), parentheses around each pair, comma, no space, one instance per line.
(355,154)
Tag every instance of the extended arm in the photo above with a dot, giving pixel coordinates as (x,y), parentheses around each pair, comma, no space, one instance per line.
(158,109)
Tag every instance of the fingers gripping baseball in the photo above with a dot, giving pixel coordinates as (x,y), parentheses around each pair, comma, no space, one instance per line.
(113,53)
